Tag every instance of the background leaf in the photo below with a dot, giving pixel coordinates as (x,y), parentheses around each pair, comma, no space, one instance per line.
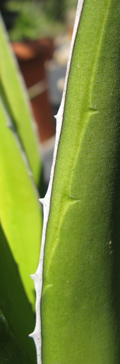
(16,308)
(20,212)
(15,99)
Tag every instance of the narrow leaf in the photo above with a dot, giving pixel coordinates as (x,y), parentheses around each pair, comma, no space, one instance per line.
(20,212)
(15,97)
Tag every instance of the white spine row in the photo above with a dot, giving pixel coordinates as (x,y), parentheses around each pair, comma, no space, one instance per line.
(38,276)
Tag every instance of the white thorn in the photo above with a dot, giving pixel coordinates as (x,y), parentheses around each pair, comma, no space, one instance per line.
(41,200)
(31,335)
(32,276)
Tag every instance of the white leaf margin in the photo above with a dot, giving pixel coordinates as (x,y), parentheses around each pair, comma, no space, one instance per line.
(38,276)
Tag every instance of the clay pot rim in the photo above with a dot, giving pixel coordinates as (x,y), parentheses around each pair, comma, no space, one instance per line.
(30,49)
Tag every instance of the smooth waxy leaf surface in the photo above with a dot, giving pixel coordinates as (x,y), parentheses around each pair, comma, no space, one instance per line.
(20,212)
(81,294)
(15,98)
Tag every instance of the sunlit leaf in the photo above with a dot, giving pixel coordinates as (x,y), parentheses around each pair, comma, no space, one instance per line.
(15,98)
(20,212)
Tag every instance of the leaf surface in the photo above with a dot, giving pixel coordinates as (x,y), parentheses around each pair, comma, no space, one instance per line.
(17,310)
(15,98)
(80,306)
(20,212)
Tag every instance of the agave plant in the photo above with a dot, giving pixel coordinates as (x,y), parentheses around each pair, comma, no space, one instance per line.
(77,281)
(78,278)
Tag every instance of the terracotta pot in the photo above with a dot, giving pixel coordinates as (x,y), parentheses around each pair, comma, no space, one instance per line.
(31,57)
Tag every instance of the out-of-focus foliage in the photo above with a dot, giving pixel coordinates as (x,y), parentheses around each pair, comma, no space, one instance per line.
(55,8)
(33,21)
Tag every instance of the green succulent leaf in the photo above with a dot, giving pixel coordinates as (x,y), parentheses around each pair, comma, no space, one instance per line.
(20,213)
(15,345)
(80,306)
(15,98)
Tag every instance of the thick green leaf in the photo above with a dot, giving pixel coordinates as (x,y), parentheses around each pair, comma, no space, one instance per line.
(81,276)
(17,310)
(15,98)
(20,212)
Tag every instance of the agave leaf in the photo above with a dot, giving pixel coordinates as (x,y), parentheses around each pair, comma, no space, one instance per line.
(15,98)
(80,306)
(20,212)
(16,308)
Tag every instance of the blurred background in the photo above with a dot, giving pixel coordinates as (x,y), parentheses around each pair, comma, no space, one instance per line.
(40,34)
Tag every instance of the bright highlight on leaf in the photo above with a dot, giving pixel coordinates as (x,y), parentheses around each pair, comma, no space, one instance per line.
(15,99)
(19,207)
